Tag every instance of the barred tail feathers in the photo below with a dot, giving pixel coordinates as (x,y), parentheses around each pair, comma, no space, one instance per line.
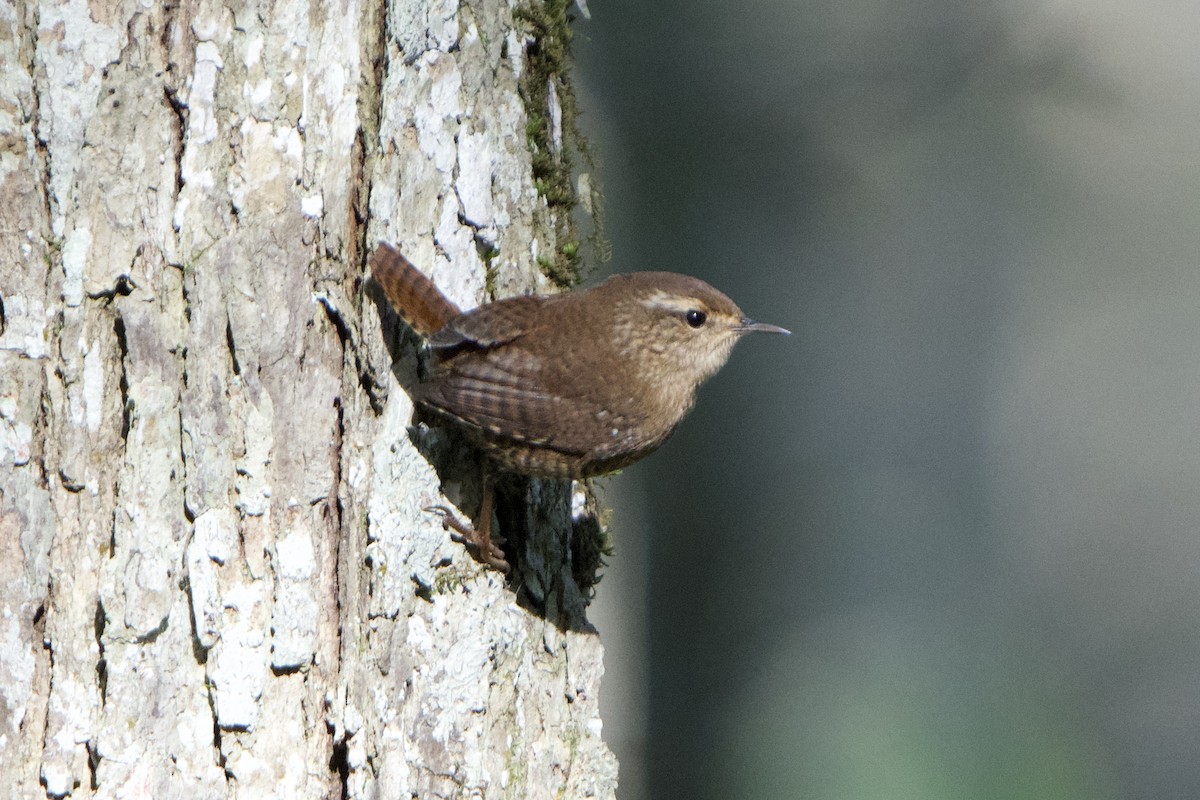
(414,296)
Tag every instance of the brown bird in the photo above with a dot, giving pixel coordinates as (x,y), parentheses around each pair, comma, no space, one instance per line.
(564,386)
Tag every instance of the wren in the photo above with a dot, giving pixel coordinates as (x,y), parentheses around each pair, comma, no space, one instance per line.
(564,386)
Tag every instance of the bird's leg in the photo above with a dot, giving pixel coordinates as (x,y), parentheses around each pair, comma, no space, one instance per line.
(483,546)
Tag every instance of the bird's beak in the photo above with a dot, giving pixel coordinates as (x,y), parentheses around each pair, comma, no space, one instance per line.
(750,326)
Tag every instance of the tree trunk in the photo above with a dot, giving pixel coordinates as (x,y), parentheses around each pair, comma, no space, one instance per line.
(216,576)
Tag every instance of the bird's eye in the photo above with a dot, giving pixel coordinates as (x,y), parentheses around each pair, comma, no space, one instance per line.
(695,317)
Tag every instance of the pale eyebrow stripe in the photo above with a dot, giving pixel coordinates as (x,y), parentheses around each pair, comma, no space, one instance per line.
(670,302)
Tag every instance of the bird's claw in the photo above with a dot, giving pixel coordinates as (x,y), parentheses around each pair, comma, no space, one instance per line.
(484,548)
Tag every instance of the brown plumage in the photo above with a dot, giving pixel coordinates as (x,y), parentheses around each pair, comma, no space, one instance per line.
(571,385)
(415,298)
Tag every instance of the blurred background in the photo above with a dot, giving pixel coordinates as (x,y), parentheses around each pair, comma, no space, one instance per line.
(944,541)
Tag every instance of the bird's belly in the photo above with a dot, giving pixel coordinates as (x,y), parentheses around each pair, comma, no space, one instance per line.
(544,461)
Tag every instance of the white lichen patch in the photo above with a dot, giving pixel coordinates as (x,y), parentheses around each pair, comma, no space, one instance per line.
(148,591)
(474,182)
(253,481)
(16,672)
(238,665)
(462,278)
(263,179)
(214,537)
(312,206)
(554,110)
(294,617)
(252,54)
(73,49)
(93,386)
(436,110)
(257,92)
(16,436)
(26,319)
(202,89)
(76,250)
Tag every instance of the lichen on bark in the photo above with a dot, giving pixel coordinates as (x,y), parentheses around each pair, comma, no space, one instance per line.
(218,579)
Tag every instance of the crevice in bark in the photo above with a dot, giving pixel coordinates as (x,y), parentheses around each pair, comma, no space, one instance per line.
(93,762)
(218,748)
(187,309)
(350,343)
(339,764)
(486,248)
(99,622)
(123,287)
(189,513)
(229,343)
(357,195)
(49,648)
(151,635)
(367,139)
(3,318)
(179,110)
(199,651)
(40,142)
(126,421)
(70,484)
(423,590)
(333,502)
(279,672)
(164,39)
(178,53)
(123,382)
(41,424)
(334,506)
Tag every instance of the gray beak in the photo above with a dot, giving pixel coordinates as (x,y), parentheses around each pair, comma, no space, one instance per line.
(750,326)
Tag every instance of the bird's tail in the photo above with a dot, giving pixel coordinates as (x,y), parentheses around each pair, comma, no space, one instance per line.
(414,296)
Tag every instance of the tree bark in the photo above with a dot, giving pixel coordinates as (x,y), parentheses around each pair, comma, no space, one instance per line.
(216,576)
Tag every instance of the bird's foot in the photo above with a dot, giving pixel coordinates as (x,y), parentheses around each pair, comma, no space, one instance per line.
(481,544)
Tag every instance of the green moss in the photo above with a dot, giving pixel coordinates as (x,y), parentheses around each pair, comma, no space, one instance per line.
(489,254)
(548,61)
(571,739)
(518,769)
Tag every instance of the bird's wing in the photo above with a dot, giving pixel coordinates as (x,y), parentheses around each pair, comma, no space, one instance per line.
(487,326)
(506,393)
(503,393)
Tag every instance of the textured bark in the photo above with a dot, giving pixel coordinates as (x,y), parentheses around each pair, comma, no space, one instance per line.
(216,577)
